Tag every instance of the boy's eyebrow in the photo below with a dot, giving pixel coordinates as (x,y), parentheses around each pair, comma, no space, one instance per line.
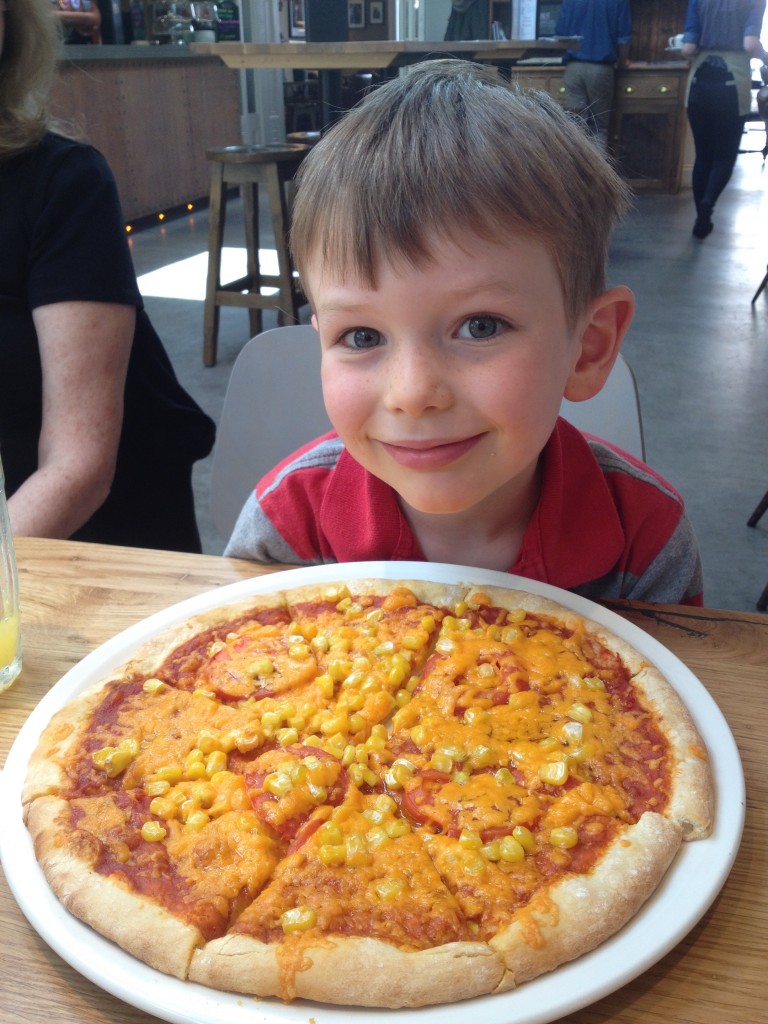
(468,289)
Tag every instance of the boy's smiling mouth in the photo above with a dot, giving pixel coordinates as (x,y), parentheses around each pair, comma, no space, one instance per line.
(430,454)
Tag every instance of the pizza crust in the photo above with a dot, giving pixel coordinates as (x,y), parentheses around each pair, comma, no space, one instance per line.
(366,971)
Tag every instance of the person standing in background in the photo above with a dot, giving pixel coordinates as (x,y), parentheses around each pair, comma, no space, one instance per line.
(722,37)
(605,29)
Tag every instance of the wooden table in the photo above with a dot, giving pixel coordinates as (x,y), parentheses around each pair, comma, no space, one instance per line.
(76,596)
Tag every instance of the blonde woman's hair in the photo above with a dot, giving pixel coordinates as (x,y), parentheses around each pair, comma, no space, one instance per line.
(449,149)
(27,70)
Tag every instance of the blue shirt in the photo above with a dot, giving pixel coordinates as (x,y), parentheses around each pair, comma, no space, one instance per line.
(604,26)
(722,24)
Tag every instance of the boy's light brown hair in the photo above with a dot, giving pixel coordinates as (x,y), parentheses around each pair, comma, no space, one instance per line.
(451,150)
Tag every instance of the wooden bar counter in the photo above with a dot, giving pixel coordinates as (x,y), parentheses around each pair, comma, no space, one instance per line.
(375,55)
(75,596)
(152,111)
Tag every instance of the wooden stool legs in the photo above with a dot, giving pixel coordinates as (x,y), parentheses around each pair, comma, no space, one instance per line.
(250,169)
(216,219)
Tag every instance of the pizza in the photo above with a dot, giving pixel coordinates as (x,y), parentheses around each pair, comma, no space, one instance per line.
(379,793)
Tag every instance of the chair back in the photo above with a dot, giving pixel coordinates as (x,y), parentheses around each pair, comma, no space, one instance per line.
(274,404)
(614,413)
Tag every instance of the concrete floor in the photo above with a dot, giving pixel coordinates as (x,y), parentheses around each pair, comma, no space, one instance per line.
(698,348)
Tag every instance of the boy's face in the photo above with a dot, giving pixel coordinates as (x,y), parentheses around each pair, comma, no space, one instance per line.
(446,380)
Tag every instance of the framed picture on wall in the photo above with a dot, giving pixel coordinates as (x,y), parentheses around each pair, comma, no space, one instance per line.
(356,14)
(376,12)
(296,24)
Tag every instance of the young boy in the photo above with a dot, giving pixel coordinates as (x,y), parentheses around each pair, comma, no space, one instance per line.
(451,234)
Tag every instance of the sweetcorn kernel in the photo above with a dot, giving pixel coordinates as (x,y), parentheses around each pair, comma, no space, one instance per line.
(329,832)
(475,863)
(163,807)
(298,919)
(525,837)
(564,838)
(389,889)
(261,667)
(157,788)
(216,762)
(278,783)
(510,850)
(555,773)
(580,713)
(396,828)
(441,762)
(470,840)
(153,832)
(285,737)
(481,756)
(154,685)
(356,852)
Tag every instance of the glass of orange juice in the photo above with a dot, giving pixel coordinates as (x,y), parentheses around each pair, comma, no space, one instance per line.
(10,638)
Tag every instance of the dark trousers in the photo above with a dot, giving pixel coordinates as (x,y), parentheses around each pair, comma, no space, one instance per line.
(717,127)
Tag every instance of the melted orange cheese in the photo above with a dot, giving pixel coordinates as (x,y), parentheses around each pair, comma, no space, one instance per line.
(362,766)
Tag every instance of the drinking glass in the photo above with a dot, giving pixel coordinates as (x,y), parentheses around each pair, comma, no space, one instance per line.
(10,639)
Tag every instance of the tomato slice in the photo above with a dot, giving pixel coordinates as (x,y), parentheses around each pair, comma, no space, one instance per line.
(288,814)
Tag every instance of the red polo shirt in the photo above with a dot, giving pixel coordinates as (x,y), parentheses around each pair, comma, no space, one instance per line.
(605,526)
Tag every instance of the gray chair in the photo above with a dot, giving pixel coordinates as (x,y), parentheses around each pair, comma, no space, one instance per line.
(274,404)
(614,413)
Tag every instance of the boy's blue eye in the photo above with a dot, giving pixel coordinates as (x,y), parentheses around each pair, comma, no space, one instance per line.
(362,337)
(480,327)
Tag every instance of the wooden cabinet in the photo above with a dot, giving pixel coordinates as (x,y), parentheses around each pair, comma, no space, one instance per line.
(546,79)
(647,127)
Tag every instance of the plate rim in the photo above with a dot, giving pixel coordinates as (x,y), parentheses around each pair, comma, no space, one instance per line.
(171,999)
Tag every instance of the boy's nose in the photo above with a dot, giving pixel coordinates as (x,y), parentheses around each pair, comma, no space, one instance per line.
(417,381)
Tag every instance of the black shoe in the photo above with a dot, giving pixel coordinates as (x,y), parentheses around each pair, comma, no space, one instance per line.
(703,225)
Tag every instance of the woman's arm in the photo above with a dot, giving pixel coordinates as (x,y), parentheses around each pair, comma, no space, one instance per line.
(755,49)
(84,351)
(692,30)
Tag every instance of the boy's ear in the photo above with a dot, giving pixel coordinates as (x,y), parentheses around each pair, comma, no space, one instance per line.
(603,328)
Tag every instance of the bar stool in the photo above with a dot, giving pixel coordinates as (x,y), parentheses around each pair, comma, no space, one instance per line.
(249,167)
(304,138)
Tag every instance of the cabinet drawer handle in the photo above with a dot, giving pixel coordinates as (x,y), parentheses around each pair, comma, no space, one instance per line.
(663,89)
(561,89)
(629,89)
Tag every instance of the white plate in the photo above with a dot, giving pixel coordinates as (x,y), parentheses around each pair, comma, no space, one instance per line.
(664,920)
